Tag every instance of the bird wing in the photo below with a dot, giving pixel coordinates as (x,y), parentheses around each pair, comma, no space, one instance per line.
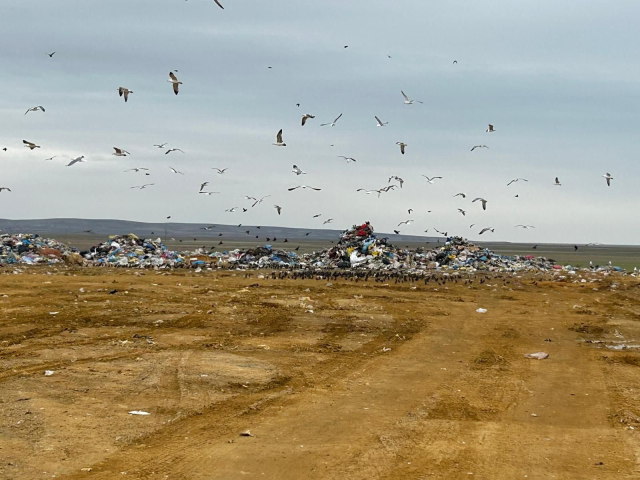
(337,118)
(173,77)
(474,147)
(379,121)
(28,143)
(219,4)
(175,88)
(557,181)
(405,96)
(304,120)
(279,137)
(126,94)
(608,182)
(402,148)
(292,188)
(512,181)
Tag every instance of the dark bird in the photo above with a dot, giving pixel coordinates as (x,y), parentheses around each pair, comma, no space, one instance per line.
(51,54)
(396,232)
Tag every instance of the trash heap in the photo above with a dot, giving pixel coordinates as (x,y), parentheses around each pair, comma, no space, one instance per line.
(31,249)
(132,251)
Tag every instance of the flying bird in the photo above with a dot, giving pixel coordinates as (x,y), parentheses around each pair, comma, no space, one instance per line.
(348,159)
(333,124)
(455,62)
(50,158)
(402,146)
(220,171)
(380,122)
(306,117)
(406,222)
(463,195)
(51,54)
(490,129)
(174,80)
(256,201)
(517,179)
(397,232)
(557,183)
(608,177)
(30,145)
(325,222)
(304,187)
(173,150)
(396,178)
(279,142)
(137,169)
(464,213)
(5,188)
(407,101)
(120,152)
(430,180)
(410,210)
(124,92)
(525,226)
(160,146)
(202,185)
(231,210)
(175,171)
(208,193)
(34,109)
(478,146)
(297,171)
(76,160)
(486,230)
(484,202)
(142,187)
(278,208)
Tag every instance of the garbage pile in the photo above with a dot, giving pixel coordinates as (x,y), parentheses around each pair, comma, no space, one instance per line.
(31,249)
(132,251)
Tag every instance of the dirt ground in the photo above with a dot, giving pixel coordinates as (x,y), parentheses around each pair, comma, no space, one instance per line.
(334,379)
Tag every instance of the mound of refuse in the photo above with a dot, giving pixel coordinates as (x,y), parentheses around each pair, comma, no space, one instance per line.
(31,249)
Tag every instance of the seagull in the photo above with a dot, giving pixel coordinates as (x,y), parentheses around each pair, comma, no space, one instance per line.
(386,189)
(525,226)
(297,171)
(278,208)
(208,228)
(256,201)
(318,215)
(516,179)
(30,145)
(402,145)
(76,160)
(478,146)
(305,187)
(306,117)
(486,230)
(557,184)
(202,185)
(333,124)
(142,187)
(34,109)
(120,152)
(463,195)
(51,54)
(219,4)
(484,202)
(490,129)
(175,171)
(5,188)
(397,232)
(608,177)
(462,212)
(397,178)
(279,142)
(231,210)
(407,101)
(160,146)
(410,210)
(124,92)
(406,222)
(471,226)
(380,122)
(172,150)
(430,180)
(368,192)
(137,169)
(174,80)
(455,62)
(208,193)
(441,233)
(348,159)
(220,171)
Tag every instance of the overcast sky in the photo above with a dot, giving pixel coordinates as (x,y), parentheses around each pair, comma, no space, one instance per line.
(559,80)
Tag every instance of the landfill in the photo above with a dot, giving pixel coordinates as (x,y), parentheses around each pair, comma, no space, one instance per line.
(358,248)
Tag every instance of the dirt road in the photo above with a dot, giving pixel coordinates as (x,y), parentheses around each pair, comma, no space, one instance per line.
(333,379)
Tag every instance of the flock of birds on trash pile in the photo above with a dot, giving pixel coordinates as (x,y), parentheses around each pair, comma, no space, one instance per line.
(125,93)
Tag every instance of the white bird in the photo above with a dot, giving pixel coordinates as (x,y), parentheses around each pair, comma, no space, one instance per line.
(386,189)
(406,222)
(278,208)
(368,192)
(175,171)
(120,152)
(463,195)
(464,213)
(304,187)
(333,124)
(484,202)
(478,146)
(30,145)
(517,179)
(256,201)
(430,180)
(306,117)
(203,184)
(173,150)
(220,171)
(396,178)
(76,160)
(124,92)
(348,159)
(380,122)
(608,177)
(34,109)
(297,171)
(328,221)
(557,183)
(137,169)
(402,146)
(486,230)
(5,188)
(525,226)
(279,142)
(160,146)
(231,210)
(208,193)
(142,187)
(407,101)
(174,80)
(51,158)
(490,129)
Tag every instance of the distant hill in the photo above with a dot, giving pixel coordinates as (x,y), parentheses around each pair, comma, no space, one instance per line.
(70,226)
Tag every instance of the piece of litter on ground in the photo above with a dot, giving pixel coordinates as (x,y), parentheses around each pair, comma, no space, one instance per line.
(385,349)
(481,310)
(53,313)
(537,355)
(138,412)
(246,433)
(534,415)
(48,373)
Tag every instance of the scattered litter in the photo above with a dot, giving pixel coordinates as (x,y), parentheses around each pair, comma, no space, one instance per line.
(246,433)
(48,373)
(537,355)
(481,310)
(53,313)
(138,412)
(86,469)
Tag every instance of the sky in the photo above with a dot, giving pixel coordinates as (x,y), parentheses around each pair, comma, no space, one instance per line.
(559,82)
